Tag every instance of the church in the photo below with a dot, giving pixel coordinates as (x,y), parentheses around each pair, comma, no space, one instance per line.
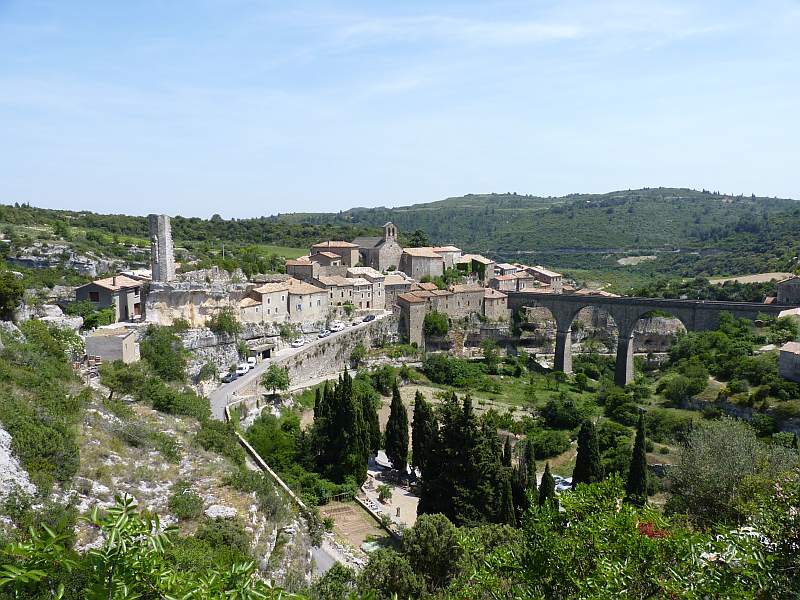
(380,253)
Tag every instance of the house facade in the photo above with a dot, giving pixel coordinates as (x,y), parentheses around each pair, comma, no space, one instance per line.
(347,251)
(789,291)
(121,293)
(421,262)
(306,303)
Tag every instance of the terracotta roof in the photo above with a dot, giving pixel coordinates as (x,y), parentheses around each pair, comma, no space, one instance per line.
(446,249)
(523,275)
(506,266)
(476,258)
(368,271)
(335,280)
(296,262)
(493,294)
(327,255)
(396,280)
(504,277)
(301,287)
(359,281)
(269,288)
(545,272)
(248,301)
(425,286)
(423,252)
(793,347)
(334,244)
(469,287)
(411,298)
(116,283)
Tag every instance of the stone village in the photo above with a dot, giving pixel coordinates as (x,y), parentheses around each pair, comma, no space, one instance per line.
(341,280)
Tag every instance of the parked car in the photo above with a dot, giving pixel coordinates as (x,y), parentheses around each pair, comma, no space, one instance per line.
(227,378)
(251,360)
(299,342)
(337,326)
(368,318)
(242,368)
(324,333)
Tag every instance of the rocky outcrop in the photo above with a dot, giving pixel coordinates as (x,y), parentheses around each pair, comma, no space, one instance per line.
(12,476)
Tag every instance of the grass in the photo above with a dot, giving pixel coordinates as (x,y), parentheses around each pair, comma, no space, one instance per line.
(284,251)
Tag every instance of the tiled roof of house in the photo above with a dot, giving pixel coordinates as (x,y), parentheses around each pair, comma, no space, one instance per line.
(411,298)
(504,277)
(424,286)
(334,244)
(368,242)
(302,288)
(477,258)
(326,254)
(422,252)
(493,294)
(247,302)
(793,347)
(297,262)
(359,281)
(466,288)
(446,249)
(365,271)
(545,272)
(396,280)
(269,288)
(116,283)
(335,281)
(506,266)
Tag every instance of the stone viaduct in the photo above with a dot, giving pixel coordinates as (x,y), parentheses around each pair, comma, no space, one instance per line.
(696,315)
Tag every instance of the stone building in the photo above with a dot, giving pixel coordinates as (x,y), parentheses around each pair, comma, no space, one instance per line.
(412,317)
(307,303)
(548,277)
(376,280)
(495,305)
(394,285)
(506,269)
(162,253)
(476,268)
(348,251)
(122,293)
(504,283)
(789,361)
(340,289)
(421,262)
(326,259)
(110,344)
(380,253)
(467,299)
(789,290)
(267,303)
(450,254)
(303,269)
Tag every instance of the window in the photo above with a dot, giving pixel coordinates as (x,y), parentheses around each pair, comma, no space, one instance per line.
(300,307)
(269,300)
(94,296)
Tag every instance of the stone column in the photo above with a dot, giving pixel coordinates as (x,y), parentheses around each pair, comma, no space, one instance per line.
(623,371)
(563,357)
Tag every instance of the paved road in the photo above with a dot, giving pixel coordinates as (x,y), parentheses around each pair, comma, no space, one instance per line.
(222,396)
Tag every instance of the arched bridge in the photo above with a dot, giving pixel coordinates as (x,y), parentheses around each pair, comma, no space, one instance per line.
(696,315)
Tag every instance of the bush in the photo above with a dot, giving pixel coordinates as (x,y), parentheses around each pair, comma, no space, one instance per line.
(224,533)
(549,442)
(162,349)
(224,322)
(184,502)
(665,425)
(220,437)
(436,324)
(563,412)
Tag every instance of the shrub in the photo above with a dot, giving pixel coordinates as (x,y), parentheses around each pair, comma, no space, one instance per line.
(224,322)
(218,436)
(549,442)
(184,502)
(162,349)
(228,533)
(436,324)
(563,413)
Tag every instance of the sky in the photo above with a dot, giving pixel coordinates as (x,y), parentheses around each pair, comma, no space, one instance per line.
(246,108)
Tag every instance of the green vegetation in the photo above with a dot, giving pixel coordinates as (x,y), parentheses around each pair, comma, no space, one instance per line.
(92,317)
(224,321)
(397,433)
(185,503)
(276,378)
(11,292)
(162,349)
(436,324)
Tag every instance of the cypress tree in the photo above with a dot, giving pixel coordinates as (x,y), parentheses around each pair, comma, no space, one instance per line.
(317,402)
(397,432)
(507,513)
(372,425)
(507,452)
(423,432)
(529,466)
(636,486)
(547,489)
(587,465)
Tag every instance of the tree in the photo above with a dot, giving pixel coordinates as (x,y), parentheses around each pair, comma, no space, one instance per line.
(490,354)
(276,378)
(224,321)
(163,350)
(507,452)
(397,432)
(587,465)
(11,292)
(436,324)
(423,433)
(547,488)
(338,582)
(581,381)
(433,550)
(388,574)
(636,485)
(419,239)
(507,513)
(358,355)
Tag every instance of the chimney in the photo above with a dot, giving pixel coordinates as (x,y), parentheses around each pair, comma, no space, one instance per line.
(114,281)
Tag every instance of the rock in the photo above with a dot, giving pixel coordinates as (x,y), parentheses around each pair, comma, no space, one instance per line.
(12,330)
(219,511)
(12,475)
(64,322)
(51,310)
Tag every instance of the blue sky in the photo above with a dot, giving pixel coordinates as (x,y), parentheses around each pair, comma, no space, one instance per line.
(248,108)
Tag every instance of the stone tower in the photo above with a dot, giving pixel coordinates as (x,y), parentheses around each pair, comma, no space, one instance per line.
(162,255)
(389,232)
